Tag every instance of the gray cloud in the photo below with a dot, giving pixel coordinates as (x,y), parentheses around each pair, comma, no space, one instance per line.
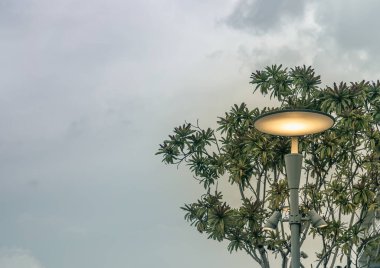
(349,38)
(18,258)
(322,34)
(263,15)
(352,25)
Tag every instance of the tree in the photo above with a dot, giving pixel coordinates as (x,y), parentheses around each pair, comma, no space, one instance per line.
(341,169)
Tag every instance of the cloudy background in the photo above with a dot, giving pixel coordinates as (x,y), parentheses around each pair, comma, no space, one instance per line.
(88,89)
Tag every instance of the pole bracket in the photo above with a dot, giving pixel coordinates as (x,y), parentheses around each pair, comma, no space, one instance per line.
(294,218)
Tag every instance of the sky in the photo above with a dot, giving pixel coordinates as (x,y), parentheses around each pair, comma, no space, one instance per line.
(90,88)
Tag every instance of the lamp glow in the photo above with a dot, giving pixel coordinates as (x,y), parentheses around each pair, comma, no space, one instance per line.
(293,122)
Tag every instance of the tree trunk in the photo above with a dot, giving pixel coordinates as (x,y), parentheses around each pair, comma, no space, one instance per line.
(349,261)
(284,262)
(265,262)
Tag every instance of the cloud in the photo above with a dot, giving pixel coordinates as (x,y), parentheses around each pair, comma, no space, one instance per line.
(291,40)
(350,24)
(322,34)
(347,40)
(264,15)
(18,258)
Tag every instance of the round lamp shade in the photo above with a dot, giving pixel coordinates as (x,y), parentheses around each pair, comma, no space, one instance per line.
(293,123)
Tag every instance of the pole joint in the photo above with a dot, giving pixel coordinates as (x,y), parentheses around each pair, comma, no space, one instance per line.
(294,218)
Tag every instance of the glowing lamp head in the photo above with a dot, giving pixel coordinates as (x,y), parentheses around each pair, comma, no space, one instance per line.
(293,123)
(293,126)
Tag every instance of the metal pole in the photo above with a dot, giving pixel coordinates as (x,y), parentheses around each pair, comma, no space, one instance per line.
(293,164)
(294,146)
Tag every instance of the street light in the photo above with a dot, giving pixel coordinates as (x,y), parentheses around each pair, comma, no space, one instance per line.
(295,123)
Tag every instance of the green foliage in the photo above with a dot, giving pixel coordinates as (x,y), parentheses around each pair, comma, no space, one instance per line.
(341,167)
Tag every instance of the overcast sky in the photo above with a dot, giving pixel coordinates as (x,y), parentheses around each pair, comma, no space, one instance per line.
(89,88)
